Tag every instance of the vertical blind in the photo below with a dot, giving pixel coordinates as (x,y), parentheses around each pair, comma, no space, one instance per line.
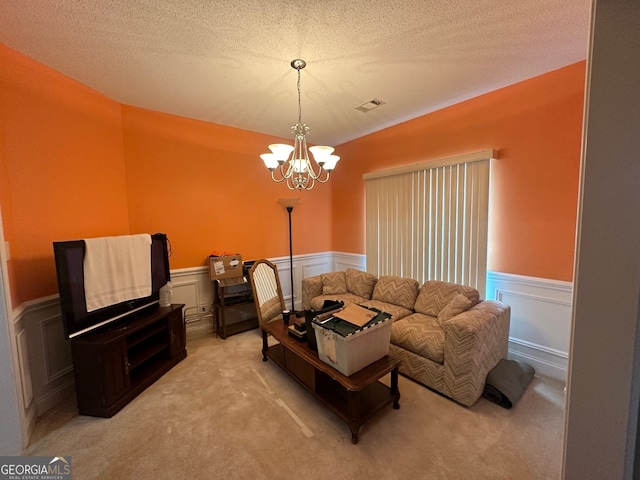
(428,221)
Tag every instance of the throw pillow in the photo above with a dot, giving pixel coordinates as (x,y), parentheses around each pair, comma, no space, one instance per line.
(435,295)
(334,283)
(360,283)
(396,290)
(457,305)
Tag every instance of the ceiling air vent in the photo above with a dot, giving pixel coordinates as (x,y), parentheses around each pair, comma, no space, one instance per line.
(370,105)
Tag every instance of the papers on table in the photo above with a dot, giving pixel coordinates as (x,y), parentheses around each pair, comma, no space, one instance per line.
(356,315)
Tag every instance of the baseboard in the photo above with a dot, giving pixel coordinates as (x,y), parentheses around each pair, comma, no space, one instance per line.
(55,396)
(554,366)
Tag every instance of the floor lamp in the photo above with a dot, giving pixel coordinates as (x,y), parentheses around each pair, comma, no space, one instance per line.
(289,203)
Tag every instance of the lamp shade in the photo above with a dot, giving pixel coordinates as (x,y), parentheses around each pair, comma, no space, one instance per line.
(330,162)
(321,153)
(288,202)
(281,151)
(269,160)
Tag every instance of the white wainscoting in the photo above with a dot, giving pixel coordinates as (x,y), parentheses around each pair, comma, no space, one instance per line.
(540,320)
(193,286)
(342,261)
(49,353)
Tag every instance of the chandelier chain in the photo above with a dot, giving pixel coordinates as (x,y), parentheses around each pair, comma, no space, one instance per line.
(299,101)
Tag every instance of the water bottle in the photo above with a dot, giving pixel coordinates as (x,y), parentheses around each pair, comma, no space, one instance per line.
(166,292)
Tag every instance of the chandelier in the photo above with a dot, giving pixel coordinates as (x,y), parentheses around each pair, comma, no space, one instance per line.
(293,162)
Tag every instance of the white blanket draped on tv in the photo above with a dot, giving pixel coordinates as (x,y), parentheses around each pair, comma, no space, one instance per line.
(116,269)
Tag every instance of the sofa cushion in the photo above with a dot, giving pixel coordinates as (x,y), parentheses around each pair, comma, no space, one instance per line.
(317,302)
(359,282)
(333,283)
(435,294)
(396,290)
(396,311)
(420,334)
(271,309)
(457,305)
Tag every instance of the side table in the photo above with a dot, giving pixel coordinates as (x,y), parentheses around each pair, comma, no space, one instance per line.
(233,306)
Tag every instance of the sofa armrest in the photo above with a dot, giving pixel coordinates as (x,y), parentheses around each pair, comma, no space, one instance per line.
(311,288)
(475,341)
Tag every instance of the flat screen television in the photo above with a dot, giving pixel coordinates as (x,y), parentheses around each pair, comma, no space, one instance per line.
(69,260)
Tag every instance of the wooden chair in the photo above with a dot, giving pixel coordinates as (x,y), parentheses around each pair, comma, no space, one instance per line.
(267,292)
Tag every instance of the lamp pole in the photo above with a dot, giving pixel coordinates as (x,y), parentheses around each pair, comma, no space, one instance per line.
(289,203)
(289,210)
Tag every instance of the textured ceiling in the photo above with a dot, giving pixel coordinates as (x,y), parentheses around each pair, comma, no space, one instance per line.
(227,62)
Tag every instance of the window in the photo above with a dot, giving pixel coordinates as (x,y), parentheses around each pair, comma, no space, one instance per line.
(428,221)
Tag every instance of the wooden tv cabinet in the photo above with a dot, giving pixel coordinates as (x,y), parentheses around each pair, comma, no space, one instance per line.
(113,366)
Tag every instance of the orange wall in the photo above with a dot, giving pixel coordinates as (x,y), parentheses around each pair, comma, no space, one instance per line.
(75,164)
(207,188)
(536,126)
(62,165)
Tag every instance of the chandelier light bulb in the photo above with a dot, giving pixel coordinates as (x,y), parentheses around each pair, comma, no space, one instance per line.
(300,165)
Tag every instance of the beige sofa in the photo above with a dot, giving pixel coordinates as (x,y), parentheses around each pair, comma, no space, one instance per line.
(443,335)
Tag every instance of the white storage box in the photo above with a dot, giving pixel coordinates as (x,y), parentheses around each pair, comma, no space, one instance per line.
(353,352)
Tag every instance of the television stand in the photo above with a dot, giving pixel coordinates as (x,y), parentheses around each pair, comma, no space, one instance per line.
(112,367)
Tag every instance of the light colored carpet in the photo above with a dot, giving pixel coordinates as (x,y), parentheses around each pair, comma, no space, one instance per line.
(224,413)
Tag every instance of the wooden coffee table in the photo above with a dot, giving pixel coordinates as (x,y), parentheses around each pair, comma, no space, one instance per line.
(355,399)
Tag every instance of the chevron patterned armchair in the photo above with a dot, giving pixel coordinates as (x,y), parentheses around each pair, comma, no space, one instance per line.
(444,336)
(452,340)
